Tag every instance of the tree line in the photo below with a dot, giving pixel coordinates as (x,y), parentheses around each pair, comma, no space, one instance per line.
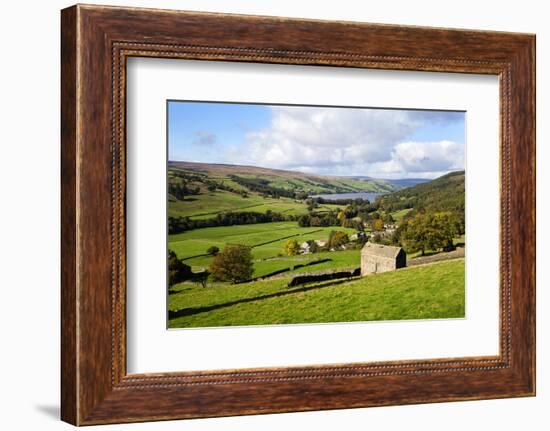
(185,223)
(423,231)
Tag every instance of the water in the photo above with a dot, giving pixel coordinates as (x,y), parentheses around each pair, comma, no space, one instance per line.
(371,196)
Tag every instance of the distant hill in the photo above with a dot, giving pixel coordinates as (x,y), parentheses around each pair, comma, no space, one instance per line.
(399,183)
(445,193)
(407,182)
(294,181)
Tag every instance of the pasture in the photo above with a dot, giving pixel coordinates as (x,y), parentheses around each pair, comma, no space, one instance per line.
(267,241)
(422,292)
(208,204)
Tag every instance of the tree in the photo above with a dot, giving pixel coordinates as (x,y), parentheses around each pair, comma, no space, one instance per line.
(292,248)
(350,223)
(213,250)
(313,246)
(200,278)
(304,221)
(429,231)
(378,224)
(376,238)
(311,204)
(315,221)
(300,196)
(233,264)
(337,239)
(177,270)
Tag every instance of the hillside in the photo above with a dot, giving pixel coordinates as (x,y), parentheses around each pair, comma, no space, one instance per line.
(292,181)
(388,296)
(445,193)
(400,183)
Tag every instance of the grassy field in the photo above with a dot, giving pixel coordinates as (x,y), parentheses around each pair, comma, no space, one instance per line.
(422,292)
(267,241)
(208,204)
(398,215)
(206,191)
(289,180)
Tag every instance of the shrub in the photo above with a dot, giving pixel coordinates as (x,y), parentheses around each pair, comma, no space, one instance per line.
(213,250)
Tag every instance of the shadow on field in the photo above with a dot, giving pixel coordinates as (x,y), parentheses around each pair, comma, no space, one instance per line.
(197,310)
(172,292)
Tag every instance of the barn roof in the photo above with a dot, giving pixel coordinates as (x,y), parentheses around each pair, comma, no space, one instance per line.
(380,250)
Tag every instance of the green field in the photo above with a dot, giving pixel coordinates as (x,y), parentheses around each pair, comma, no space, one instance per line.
(216,195)
(398,215)
(208,204)
(267,241)
(422,292)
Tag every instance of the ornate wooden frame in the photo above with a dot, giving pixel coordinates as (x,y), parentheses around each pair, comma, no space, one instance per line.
(96,41)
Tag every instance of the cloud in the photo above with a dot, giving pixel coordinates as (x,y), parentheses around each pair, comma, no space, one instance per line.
(422,159)
(204,138)
(429,156)
(349,142)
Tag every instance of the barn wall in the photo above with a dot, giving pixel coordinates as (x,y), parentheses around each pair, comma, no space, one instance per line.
(371,264)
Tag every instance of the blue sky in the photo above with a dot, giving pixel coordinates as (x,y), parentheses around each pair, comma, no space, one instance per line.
(322,140)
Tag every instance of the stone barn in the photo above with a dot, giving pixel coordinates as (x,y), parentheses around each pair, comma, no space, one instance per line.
(381,258)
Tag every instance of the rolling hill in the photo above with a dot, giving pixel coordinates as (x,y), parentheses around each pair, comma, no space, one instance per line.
(388,296)
(399,183)
(285,180)
(446,193)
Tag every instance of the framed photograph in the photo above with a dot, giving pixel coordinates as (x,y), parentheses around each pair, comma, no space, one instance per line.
(264,215)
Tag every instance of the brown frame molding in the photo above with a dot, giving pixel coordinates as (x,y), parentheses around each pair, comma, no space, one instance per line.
(95,43)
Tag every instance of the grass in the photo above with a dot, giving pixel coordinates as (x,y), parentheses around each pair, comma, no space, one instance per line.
(398,215)
(267,240)
(208,204)
(423,292)
(318,185)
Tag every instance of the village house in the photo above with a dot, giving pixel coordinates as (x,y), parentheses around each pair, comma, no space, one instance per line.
(377,258)
(306,245)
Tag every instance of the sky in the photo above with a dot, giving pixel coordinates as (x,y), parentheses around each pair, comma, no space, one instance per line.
(379,143)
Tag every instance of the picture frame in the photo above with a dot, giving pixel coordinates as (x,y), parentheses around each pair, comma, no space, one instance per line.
(96,42)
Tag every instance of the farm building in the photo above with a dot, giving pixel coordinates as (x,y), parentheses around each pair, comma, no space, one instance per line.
(381,258)
(305,247)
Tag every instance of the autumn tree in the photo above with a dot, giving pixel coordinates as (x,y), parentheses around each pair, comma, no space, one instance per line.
(292,248)
(378,224)
(233,264)
(337,239)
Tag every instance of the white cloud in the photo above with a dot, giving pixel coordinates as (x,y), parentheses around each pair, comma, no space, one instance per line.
(427,159)
(348,142)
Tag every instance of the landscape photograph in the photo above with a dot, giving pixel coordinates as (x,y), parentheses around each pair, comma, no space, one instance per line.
(292,214)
